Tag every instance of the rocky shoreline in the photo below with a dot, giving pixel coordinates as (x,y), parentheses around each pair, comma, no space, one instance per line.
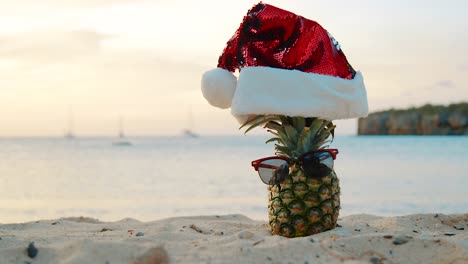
(425,120)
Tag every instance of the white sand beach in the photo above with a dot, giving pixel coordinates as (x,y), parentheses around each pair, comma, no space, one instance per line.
(423,238)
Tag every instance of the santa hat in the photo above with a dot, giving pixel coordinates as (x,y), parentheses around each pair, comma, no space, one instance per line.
(288,65)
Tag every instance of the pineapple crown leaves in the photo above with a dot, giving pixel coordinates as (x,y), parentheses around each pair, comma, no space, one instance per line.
(294,135)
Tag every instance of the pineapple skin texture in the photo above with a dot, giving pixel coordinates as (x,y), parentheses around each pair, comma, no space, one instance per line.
(302,206)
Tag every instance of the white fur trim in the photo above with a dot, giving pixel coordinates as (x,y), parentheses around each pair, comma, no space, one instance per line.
(218,87)
(266,90)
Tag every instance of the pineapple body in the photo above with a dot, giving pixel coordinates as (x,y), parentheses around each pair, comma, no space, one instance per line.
(302,206)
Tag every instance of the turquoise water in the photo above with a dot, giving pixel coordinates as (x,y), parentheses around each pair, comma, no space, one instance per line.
(157,177)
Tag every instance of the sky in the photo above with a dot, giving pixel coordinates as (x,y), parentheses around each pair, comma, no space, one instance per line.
(143,60)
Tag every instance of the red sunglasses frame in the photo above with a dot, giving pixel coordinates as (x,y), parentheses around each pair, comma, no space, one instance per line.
(257,163)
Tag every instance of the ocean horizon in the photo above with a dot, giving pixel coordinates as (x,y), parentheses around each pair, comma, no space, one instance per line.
(169,176)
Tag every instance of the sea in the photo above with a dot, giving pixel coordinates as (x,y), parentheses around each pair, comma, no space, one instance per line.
(160,177)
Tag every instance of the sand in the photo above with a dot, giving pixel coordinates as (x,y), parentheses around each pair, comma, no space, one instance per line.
(425,238)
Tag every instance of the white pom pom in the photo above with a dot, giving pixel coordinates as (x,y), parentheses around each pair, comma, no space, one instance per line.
(218,87)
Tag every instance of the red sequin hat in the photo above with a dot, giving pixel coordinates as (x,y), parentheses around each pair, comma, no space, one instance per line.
(288,65)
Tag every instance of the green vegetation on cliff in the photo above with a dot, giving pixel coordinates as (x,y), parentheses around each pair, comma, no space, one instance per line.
(425,120)
(429,109)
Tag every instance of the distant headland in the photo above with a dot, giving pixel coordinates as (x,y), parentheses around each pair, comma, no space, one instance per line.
(424,120)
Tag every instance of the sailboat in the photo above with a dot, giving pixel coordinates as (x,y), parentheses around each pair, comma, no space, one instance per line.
(69,134)
(121,140)
(188,132)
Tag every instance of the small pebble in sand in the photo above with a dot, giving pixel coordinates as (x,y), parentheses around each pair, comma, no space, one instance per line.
(154,256)
(245,234)
(388,236)
(401,240)
(258,242)
(105,229)
(199,230)
(375,260)
(32,250)
(140,234)
(424,236)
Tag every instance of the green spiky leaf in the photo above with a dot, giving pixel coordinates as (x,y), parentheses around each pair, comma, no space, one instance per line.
(274,139)
(282,150)
(325,144)
(260,122)
(273,132)
(304,140)
(316,126)
(332,132)
(273,125)
(291,133)
(252,121)
(284,120)
(298,123)
(284,136)
(294,135)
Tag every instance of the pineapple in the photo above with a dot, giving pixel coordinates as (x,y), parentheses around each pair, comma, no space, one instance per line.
(300,206)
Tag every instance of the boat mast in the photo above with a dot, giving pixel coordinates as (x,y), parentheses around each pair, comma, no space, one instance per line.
(71,124)
(121,131)
(190,119)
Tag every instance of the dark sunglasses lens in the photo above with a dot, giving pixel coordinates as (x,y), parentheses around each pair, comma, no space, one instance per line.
(317,165)
(273,171)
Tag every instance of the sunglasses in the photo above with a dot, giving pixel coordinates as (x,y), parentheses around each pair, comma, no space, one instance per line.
(315,164)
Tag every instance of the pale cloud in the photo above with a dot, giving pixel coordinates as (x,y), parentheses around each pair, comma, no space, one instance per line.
(73,61)
(47,46)
(43,72)
(444,84)
(67,3)
(462,67)
(153,94)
